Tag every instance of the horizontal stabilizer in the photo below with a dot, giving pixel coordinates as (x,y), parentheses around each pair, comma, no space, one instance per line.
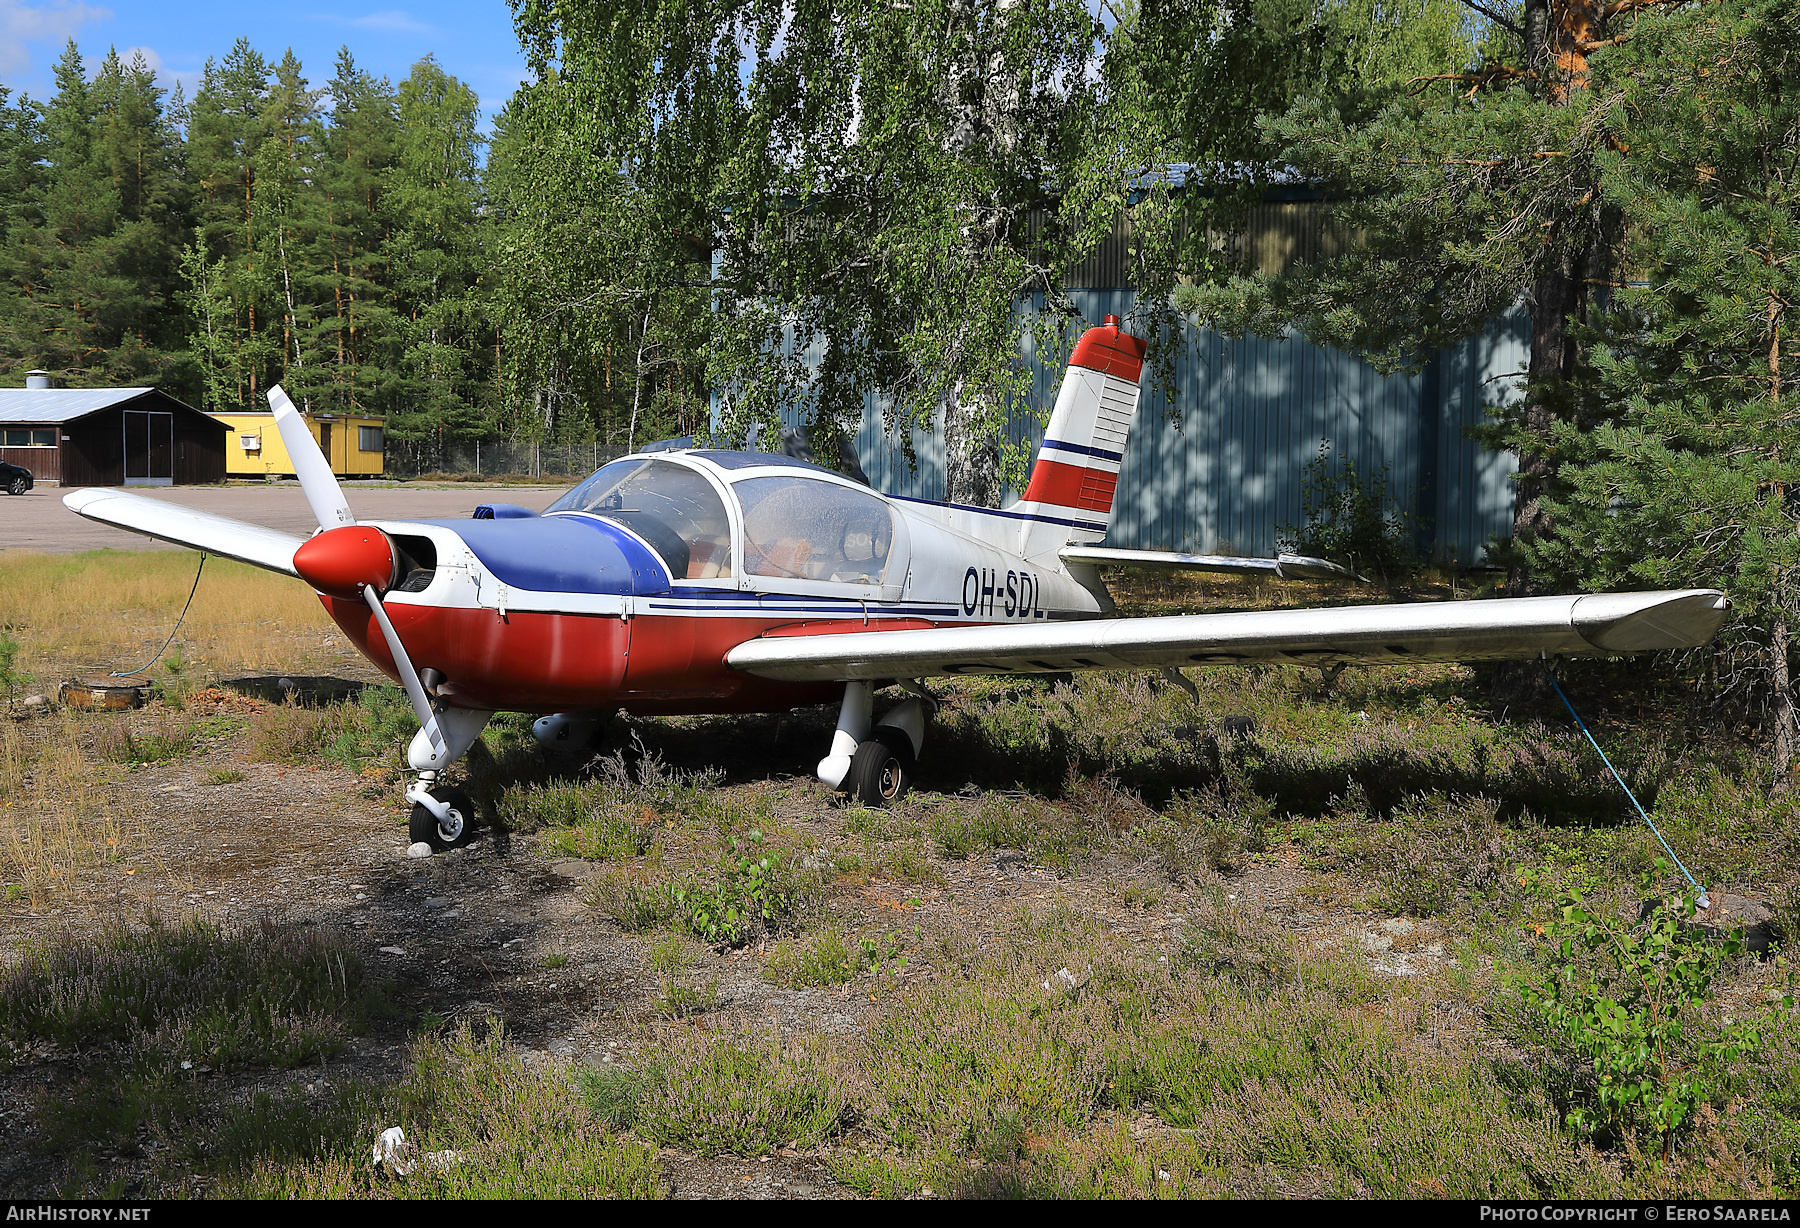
(1282,567)
(220,535)
(1368,634)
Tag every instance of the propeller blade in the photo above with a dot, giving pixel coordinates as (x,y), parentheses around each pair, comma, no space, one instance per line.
(310,466)
(409,677)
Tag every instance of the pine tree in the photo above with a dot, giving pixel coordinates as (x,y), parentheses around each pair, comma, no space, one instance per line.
(355,340)
(91,271)
(430,201)
(21,175)
(1680,463)
(227,127)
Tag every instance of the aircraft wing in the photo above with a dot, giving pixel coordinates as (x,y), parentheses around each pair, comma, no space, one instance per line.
(1282,567)
(221,535)
(1370,634)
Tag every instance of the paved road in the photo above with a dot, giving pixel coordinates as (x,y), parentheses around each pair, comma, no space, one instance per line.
(39,521)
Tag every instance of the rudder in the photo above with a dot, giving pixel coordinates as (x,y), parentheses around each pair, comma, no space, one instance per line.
(1076,473)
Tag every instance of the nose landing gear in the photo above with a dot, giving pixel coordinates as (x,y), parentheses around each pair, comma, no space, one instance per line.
(449,830)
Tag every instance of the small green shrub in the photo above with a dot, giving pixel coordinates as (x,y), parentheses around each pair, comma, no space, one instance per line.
(823,959)
(266,994)
(750,894)
(1048,834)
(1352,519)
(166,736)
(738,1095)
(1622,1010)
(12,681)
(479,1123)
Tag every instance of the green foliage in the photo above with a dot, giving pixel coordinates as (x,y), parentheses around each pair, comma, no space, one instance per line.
(87,253)
(737,1095)
(825,958)
(1675,465)
(1623,1007)
(1352,519)
(750,893)
(162,737)
(12,679)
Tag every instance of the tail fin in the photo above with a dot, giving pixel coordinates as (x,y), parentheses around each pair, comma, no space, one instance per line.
(1077,468)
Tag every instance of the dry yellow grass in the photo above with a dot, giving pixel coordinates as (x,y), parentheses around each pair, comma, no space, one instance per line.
(109,610)
(56,817)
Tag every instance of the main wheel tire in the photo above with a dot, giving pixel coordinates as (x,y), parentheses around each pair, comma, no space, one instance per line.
(881,770)
(18,486)
(453,831)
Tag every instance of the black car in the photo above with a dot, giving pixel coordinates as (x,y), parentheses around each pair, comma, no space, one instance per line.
(15,480)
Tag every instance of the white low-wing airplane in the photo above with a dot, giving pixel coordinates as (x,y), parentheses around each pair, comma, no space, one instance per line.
(705,581)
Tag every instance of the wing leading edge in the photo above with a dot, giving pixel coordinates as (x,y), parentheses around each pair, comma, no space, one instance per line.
(221,535)
(1377,634)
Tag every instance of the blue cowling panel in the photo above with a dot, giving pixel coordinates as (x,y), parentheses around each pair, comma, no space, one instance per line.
(562,554)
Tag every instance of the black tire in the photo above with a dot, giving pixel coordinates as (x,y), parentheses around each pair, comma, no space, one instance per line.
(423,827)
(18,486)
(881,771)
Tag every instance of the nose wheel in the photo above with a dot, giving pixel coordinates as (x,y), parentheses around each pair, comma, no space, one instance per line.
(881,770)
(451,831)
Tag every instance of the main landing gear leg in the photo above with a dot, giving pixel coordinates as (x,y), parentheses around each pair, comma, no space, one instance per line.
(444,818)
(875,766)
(852,728)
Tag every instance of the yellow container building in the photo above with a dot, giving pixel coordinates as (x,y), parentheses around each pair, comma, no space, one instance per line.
(355,446)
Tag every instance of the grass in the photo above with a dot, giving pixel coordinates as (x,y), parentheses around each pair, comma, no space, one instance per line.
(268,995)
(242,618)
(151,1010)
(726,1094)
(496,1129)
(370,731)
(58,819)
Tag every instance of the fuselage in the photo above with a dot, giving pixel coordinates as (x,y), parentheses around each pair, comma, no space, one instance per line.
(629,591)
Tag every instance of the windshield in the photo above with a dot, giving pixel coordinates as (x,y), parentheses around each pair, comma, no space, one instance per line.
(670,506)
(813,530)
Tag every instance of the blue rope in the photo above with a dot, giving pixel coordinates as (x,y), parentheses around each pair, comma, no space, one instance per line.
(1702,900)
(165,645)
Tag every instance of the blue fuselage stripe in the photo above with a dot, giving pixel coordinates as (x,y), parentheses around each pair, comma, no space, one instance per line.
(1102,453)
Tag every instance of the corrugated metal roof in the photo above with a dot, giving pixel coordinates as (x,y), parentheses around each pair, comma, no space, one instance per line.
(60,404)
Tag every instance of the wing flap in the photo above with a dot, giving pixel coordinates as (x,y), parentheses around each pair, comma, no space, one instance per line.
(1390,634)
(221,535)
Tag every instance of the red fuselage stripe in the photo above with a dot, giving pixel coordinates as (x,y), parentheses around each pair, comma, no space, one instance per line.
(538,662)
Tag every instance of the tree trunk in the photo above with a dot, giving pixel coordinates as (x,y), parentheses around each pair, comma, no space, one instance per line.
(971,452)
(1784,700)
(1558,37)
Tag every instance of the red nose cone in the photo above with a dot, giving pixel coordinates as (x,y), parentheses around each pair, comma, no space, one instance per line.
(341,561)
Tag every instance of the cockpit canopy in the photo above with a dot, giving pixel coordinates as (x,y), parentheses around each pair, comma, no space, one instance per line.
(796,526)
(672,507)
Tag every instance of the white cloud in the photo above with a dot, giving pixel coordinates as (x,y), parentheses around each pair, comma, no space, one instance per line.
(389,19)
(24,23)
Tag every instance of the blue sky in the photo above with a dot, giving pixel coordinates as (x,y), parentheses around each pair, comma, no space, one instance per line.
(472,39)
